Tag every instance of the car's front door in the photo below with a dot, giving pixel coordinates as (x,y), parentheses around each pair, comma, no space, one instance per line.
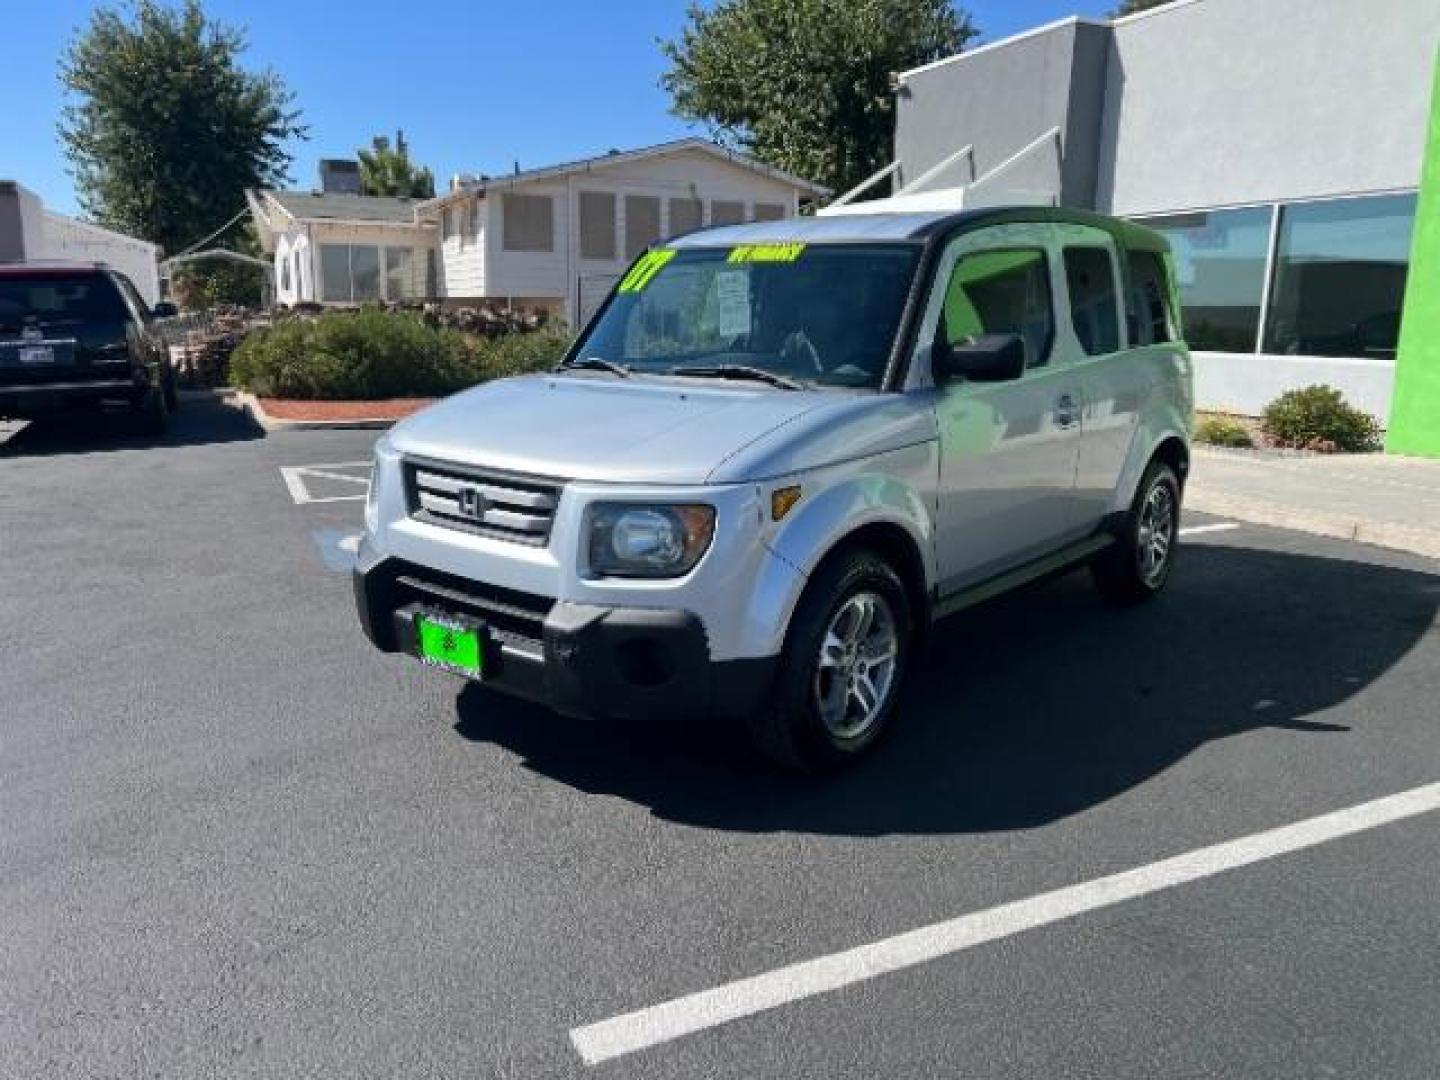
(1008,449)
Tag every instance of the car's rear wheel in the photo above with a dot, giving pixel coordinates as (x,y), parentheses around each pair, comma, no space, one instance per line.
(840,674)
(1137,566)
(153,413)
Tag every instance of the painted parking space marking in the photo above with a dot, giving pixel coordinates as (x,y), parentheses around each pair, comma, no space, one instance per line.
(341,481)
(732,1001)
(1200,530)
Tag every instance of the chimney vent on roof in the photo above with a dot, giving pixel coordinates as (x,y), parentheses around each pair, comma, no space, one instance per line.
(340,176)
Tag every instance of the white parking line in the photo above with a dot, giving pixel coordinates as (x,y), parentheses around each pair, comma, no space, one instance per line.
(709,1008)
(296,477)
(1199,530)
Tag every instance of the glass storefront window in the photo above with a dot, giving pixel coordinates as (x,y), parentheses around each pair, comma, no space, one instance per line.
(1220,258)
(1340,277)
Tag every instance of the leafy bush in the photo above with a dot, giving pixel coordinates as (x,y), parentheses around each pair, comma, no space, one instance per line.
(381,354)
(1222,431)
(1318,418)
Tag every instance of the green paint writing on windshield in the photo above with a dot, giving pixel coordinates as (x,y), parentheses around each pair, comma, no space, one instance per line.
(645,269)
(766,253)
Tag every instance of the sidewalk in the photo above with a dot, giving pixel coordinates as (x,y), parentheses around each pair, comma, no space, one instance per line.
(1377,499)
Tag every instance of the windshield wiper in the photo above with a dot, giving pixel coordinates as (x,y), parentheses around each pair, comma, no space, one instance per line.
(595,363)
(736,371)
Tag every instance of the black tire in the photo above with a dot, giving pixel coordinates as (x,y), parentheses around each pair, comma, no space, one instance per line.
(153,414)
(1129,571)
(792,732)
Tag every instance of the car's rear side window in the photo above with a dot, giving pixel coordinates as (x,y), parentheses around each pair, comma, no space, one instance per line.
(59,300)
(1090,274)
(1147,305)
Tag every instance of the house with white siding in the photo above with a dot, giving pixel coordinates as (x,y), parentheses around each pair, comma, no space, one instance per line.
(552,238)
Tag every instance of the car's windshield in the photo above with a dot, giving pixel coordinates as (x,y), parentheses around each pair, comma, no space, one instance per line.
(55,300)
(823,314)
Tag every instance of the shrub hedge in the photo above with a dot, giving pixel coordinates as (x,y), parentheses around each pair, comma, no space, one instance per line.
(1222,431)
(372,353)
(1319,418)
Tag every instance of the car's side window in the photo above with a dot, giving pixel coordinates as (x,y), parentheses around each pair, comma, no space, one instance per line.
(1094,307)
(1147,311)
(1000,291)
(133,299)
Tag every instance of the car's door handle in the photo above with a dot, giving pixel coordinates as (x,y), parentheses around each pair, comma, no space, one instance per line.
(1067,413)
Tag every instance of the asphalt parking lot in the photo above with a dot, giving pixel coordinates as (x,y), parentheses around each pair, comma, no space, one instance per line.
(236,841)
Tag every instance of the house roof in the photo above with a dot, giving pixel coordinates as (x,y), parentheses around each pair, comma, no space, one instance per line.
(317,206)
(618,157)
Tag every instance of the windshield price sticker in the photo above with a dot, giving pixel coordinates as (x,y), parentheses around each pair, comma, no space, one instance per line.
(766,253)
(641,274)
(732,302)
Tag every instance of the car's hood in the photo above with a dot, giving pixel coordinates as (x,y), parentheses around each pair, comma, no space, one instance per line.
(597,427)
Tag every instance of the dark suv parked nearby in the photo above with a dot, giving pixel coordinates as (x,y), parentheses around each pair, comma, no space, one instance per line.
(76,335)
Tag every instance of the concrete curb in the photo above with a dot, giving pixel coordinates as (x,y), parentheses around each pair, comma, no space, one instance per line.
(1339,526)
(251,404)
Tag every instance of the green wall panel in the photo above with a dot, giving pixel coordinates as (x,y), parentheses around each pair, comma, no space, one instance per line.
(1415,406)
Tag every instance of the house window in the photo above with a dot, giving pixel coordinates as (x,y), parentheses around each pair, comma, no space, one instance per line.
(399,274)
(447,223)
(1220,259)
(597,225)
(527,222)
(350,272)
(1090,275)
(723,212)
(285,273)
(642,223)
(769,212)
(685,215)
(1340,277)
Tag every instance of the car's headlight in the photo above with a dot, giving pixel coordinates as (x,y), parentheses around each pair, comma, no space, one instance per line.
(648,540)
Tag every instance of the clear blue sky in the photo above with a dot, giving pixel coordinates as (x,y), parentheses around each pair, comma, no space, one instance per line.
(475,85)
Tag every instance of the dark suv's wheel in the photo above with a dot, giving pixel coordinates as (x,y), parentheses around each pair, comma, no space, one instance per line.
(153,413)
(840,674)
(1138,564)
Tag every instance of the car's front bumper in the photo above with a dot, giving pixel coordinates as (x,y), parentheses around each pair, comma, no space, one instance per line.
(579,659)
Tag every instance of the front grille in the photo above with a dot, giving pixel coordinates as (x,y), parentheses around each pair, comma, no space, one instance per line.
(487,503)
(515,618)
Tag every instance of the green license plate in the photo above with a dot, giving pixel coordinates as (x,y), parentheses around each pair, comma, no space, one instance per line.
(451,646)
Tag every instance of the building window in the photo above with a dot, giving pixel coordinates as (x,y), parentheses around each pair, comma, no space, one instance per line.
(769,212)
(1090,277)
(642,223)
(399,274)
(1147,304)
(447,223)
(597,225)
(723,212)
(1220,259)
(527,222)
(351,272)
(1001,292)
(478,209)
(1340,277)
(285,273)
(685,215)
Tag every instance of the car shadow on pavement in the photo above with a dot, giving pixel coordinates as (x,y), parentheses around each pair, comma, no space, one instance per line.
(202,418)
(1032,708)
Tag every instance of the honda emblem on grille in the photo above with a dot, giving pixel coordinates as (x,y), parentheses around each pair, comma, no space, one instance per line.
(473,503)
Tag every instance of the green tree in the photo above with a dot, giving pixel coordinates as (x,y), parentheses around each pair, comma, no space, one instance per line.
(165,130)
(805,84)
(1130,7)
(387,171)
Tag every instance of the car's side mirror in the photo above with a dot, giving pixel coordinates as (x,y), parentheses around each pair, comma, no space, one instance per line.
(164,310)
(983,358)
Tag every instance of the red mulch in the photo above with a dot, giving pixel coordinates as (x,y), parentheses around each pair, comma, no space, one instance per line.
(393,409)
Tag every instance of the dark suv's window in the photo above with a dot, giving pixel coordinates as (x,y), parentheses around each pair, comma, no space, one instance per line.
(59,300)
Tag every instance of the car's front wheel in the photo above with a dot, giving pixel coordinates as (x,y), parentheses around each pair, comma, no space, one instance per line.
(840,674)
(1138,564)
